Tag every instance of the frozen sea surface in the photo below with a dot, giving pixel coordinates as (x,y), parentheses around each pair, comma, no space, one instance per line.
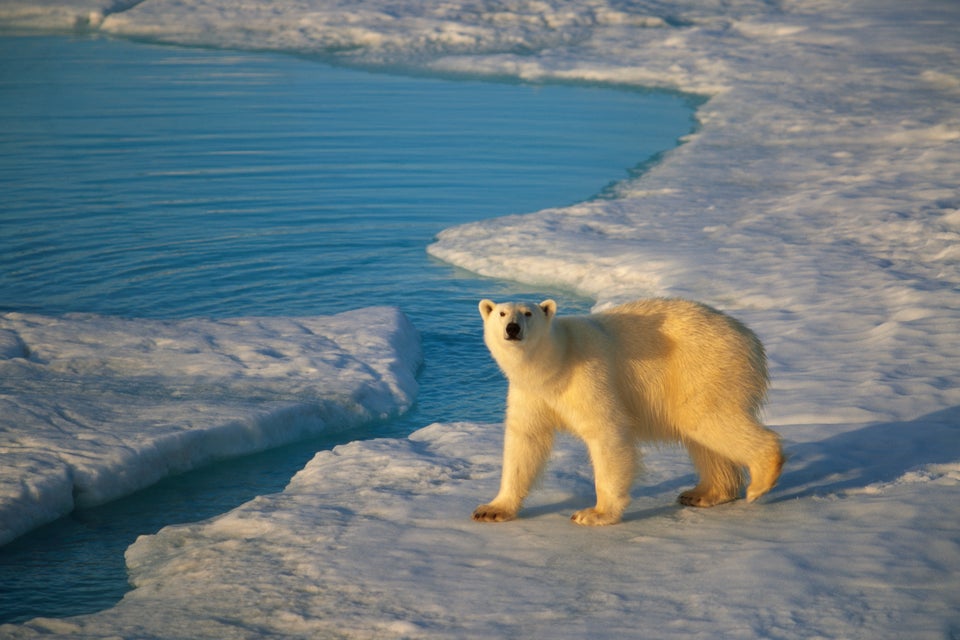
(817,201)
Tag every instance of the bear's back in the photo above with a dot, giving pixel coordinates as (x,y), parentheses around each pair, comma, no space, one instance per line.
(671,344)
(686,325)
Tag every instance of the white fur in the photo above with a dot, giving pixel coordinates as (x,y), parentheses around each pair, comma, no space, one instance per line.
(652,370)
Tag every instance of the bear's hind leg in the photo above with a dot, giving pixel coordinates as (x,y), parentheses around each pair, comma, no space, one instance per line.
(765,471)
(720,478)
(742,442)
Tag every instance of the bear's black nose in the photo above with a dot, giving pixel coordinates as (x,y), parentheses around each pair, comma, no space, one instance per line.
(513,331)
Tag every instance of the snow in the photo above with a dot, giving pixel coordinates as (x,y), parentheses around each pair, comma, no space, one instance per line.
(93,408)
(373,540)
(817,201)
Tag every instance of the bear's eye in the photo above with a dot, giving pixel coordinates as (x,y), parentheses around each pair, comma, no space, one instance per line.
(527,313)
(503,314)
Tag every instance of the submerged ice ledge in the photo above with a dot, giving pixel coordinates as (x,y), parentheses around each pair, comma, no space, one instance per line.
(93,408)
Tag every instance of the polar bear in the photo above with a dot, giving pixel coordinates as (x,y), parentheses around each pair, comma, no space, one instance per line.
(657,370)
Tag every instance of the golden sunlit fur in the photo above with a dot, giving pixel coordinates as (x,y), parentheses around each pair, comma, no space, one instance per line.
(661,370)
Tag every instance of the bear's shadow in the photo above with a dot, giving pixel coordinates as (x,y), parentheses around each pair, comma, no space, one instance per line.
(876,453)
(575,503)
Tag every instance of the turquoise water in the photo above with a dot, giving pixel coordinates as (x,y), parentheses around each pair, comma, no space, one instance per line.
(149,181)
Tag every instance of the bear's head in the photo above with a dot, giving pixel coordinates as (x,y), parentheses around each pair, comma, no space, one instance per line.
(515,324)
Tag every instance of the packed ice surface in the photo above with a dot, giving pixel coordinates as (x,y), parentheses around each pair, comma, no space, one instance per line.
(93,408)
(374,540)
(817,201)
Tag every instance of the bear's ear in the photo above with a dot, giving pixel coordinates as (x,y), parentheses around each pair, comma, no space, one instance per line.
(549,308)
(486,308)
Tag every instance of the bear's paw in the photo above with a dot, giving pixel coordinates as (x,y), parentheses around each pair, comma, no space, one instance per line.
(491,513)
(699,497)
(593,518)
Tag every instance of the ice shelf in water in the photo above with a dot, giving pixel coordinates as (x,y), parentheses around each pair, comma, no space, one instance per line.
(95,407)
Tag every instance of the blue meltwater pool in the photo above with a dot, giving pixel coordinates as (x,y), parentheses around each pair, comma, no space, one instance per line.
(159,182)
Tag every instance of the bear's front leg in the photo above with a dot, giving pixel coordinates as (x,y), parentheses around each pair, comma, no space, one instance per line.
(614,457)
(525,451)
